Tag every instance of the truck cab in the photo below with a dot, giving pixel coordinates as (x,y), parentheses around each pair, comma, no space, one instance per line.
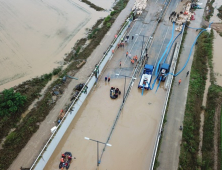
(146,77)
(163,71)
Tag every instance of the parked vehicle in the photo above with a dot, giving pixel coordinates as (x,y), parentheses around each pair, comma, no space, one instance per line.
(146,77)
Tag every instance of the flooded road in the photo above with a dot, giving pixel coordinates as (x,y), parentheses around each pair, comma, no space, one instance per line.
(217,59)
(135,134)
(35,35)
(93,120)
(133,137)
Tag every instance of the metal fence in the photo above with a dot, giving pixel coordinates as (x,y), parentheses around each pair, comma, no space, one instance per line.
(56,136)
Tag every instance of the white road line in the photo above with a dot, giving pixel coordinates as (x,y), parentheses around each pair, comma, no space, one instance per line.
(161,47)
(131,49)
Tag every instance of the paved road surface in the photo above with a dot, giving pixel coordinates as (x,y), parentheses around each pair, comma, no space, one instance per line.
(170,146)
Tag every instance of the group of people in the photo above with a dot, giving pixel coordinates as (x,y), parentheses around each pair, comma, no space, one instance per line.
(65,161)
(114,92)
(173,15)
(135,58)
(107,79)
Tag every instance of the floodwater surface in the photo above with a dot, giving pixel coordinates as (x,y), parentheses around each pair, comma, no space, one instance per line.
(133,138)
(35,35)
(105,4)
(216,5)
(217,58)
(93,120)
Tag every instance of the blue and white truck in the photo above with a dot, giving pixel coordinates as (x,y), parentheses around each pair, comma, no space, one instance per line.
(146,77)
(163,71)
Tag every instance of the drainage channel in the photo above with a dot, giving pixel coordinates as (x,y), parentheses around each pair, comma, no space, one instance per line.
(140,64)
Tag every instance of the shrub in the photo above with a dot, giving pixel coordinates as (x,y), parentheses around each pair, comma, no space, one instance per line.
(56,70)
(10,102)
(112,13)
(108,24)
(107,19)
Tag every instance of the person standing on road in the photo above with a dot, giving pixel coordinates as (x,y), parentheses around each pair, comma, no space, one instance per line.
(120,63)
(105,78)
(187,73)
(108,79)
(132,37)
(127,53)
(179,82)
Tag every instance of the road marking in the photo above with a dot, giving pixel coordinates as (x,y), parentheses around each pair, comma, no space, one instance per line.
(130,50)
(161,47)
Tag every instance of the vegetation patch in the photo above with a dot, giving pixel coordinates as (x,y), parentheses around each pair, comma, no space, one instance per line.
(210,12)
(190,138)
(30,90)
(214,100)
(220,12)
(97,8)
(16,140)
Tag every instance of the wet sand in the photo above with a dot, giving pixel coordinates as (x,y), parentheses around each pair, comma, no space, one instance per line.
(35,35)
(133,137)
(217,58)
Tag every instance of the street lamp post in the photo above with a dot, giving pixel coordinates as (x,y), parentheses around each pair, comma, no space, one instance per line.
(97,147)
(125,84)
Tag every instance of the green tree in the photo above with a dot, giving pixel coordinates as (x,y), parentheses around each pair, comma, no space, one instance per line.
(10,102)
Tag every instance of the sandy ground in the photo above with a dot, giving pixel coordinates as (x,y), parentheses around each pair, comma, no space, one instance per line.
(35,35)
(217,58)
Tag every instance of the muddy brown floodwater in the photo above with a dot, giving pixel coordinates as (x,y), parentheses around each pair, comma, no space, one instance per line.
(35,35)
(217,59)
(133,138)
(216,5)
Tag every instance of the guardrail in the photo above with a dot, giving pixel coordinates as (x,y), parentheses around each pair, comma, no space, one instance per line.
(56,136)
(176,53)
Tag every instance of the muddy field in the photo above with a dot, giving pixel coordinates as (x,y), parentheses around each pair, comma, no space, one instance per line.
(35,35)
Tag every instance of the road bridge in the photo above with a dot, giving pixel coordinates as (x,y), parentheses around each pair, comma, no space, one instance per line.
(134,136)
